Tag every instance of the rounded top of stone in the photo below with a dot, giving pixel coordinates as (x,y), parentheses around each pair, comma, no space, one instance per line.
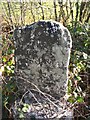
(46,28)
(43,22)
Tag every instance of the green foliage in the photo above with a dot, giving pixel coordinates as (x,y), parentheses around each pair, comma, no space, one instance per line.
(78,62)
(22,110)
(7,71)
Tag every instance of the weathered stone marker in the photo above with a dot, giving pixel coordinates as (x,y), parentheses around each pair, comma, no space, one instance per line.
(42,55)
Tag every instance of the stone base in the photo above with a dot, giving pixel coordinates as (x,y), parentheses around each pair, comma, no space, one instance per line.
(42,106)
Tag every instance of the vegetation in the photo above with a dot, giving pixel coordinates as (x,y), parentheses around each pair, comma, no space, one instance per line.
(76,17)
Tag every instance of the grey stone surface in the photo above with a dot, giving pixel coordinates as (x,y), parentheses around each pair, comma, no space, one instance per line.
(42,56)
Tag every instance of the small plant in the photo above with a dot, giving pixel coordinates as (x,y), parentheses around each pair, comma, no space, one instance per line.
(78,63)
(7,72)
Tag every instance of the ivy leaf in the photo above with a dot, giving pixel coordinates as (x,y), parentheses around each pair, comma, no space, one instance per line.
(4,59)
(21,115)
(85,55)
(78,78)
(24,109)
(80,99)
(71,99)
